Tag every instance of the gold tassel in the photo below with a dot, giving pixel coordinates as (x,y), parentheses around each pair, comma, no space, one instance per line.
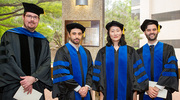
(84,34)
(123,31)
(158,28)
(44,13)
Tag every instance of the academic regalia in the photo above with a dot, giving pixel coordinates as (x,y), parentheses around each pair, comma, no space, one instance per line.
(25,53)
(30,7)
(117,74)
(161,67)
(71,26)
(150,21)
(71,69)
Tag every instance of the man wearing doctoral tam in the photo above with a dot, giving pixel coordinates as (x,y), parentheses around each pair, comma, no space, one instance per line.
(25,57)
(72,68)
(160,63)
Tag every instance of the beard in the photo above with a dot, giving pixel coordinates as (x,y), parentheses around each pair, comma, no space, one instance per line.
(151,39)
(30,28)
(75,42)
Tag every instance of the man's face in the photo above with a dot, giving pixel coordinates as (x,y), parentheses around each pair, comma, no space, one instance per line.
(31,21)
(75,36)
(151,32)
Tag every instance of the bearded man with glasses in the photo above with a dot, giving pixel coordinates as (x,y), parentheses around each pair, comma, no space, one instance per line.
(25,57)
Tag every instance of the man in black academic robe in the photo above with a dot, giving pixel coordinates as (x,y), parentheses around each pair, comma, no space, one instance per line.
(72,68)
(25,57)
(160,63)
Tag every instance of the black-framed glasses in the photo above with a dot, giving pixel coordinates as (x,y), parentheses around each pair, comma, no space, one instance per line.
(30,17)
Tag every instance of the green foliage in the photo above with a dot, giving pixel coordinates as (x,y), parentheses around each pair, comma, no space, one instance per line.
(9,22)
(121,12)
(46,30)
(50,23)
(17,1)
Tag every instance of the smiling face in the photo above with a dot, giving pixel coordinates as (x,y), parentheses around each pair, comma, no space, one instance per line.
(115,33)
(75,36)
(31,21)
(151,32)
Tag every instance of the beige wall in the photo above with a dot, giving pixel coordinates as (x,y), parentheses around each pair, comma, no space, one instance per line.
(170,29)
(164,5)
(145,10)
(94,11)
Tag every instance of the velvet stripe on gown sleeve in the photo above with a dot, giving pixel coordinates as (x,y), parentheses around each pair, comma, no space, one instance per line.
(169,76)
(62,78)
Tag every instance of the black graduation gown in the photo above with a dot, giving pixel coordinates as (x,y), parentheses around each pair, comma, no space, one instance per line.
(64,90)
(164,54)
(24,56)
(100,80)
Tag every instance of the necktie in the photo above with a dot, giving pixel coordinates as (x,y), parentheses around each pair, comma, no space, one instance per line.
(151,47)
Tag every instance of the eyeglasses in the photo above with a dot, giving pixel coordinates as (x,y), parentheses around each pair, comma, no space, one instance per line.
(30,17)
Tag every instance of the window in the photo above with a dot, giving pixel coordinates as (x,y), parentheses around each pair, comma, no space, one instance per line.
(135,13)
(174,15)
(174,43)
(135,3)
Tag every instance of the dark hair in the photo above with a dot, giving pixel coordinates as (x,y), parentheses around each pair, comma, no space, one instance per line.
(24,13)
(150,23)
(121,41)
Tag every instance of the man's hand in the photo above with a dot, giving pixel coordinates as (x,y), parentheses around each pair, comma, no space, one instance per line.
(135,95)
(28,89)
(156,89)
(152,92)
(101,95)
(27,82)
(83,91)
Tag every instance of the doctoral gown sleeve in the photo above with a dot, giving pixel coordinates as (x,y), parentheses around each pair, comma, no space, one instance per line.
(169,76)
(140,82)
(98,84)
(10,72)
(62,78)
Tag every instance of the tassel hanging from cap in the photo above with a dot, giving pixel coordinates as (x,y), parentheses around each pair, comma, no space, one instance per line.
(123,30)
(84,35)
(158,28)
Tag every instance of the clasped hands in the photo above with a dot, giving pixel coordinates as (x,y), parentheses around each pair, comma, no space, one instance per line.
(83,91)
(153,92)
(26,83)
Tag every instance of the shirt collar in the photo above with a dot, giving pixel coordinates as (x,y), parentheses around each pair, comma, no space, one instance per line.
(153,43)
(77,48)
